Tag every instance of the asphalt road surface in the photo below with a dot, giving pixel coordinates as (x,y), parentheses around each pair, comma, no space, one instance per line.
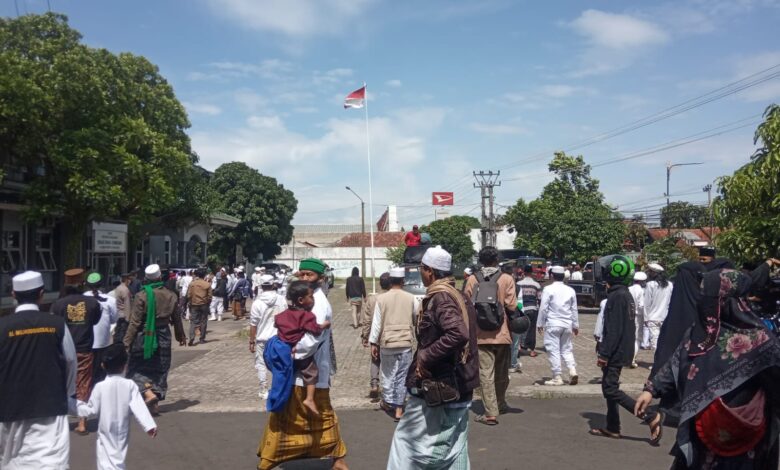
(543,434)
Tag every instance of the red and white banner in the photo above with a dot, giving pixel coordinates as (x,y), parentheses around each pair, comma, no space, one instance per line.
(443,199)
(356,99)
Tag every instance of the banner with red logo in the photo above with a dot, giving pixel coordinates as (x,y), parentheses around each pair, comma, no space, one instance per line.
(443,199)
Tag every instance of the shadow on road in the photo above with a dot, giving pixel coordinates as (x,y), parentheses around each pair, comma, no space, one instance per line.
(598,420)
(178,405)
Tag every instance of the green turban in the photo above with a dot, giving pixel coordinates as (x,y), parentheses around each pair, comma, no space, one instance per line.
(312,264)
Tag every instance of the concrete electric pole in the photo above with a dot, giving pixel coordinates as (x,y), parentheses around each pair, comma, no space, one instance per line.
(486,181)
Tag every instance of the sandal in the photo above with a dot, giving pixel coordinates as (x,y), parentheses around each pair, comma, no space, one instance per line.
(486,420)
(604,433)
(657,429)
(533,354)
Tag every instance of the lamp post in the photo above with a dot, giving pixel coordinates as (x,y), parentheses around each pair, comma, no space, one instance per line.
(362,231)
(669,166)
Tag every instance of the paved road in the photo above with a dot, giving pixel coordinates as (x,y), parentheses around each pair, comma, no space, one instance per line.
(536,434)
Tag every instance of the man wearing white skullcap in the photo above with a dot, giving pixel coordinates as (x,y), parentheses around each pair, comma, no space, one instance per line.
(637,291)
(392,328)
(34,430)
(658,294)
(267,304)
(447,351)
(149,362)
(559,322)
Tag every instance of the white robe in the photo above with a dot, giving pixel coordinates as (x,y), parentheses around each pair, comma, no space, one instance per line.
(113,400)
(41,443)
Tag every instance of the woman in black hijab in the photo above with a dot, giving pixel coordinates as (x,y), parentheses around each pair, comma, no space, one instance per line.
(725,377)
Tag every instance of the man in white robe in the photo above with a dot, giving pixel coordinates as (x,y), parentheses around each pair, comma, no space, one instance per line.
(34,431)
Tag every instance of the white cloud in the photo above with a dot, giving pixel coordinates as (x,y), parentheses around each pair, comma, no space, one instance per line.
(497,129)
(295,18)
(271,69)
(202,108)
(395,83)
(333,76)
(614,40)
(618,32)
(265,142)
(558,91)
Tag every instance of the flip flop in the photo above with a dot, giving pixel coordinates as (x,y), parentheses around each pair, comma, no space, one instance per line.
(603,433)
(485,420)
(656,441)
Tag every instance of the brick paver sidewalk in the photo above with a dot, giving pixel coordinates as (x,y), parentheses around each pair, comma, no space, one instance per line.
(224,378)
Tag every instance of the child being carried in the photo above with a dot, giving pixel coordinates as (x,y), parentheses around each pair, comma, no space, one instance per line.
(292,325)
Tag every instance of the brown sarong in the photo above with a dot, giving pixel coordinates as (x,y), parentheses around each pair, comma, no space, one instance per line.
(84,375)
(296,433)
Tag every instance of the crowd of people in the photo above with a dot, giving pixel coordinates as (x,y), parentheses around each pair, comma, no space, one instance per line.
(715,368)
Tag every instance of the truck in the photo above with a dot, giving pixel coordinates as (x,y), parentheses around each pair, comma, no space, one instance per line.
(592,289)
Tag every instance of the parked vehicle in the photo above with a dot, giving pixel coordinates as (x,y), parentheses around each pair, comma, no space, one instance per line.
(412,278)
(273,268)
(538,265)
(329,276)
(590,292)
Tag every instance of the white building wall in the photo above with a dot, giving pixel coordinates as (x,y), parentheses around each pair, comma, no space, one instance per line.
(342,260)
(504,239)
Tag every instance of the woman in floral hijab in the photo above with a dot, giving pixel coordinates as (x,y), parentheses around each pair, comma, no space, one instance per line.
(725,375)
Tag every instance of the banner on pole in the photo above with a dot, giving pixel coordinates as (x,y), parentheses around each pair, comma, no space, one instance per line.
(443,199)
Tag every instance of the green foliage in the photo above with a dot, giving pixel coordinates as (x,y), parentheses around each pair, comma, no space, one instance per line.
(396,254)
(636,233)
(453,235)
(264,207)
(471,222)
(668,253)
(748,206)
(101,135)
(569,220)
(681,214)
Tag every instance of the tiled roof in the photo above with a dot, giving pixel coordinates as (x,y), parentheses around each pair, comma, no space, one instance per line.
(381,239)
(691,235)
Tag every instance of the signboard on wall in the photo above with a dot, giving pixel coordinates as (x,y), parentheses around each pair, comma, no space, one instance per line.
(109,238)
(443,199)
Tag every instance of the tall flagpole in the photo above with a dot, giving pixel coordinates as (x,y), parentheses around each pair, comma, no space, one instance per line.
(370,192)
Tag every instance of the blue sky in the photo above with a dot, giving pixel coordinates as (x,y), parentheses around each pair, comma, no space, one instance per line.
(454,87)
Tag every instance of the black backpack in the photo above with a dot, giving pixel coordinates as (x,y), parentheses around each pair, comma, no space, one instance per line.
(490,312)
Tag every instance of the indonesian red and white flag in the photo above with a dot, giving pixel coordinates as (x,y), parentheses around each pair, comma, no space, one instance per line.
(356,99)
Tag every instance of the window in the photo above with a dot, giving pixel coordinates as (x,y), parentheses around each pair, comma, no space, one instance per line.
(44,250)
(12,251)
(167,251)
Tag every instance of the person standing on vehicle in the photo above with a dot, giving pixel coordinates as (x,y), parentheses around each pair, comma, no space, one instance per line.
(658,294)
(559,323)
(637,291)
(530,292)
(493,337)
(356,295)
(576,273)
(413,238)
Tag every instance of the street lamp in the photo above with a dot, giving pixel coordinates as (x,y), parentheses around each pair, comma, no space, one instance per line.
(362,231)
(669,166)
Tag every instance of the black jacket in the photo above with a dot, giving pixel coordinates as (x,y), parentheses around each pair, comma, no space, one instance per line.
(617,341)
(356,287)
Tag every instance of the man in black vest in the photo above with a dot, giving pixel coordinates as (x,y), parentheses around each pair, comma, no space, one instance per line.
(34,405)
(81,313)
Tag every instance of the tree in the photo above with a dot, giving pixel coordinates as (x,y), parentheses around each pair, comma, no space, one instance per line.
(569,220)
(668,253)
(748,205)
(681,214)
(264,207)
(453,235)
(469,221)
(100,135)
(395,254)
(636,233)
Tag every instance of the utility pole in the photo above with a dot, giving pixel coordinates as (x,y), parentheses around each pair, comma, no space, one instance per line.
(708,189)
(362,233)
(486,181)
(669,166)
